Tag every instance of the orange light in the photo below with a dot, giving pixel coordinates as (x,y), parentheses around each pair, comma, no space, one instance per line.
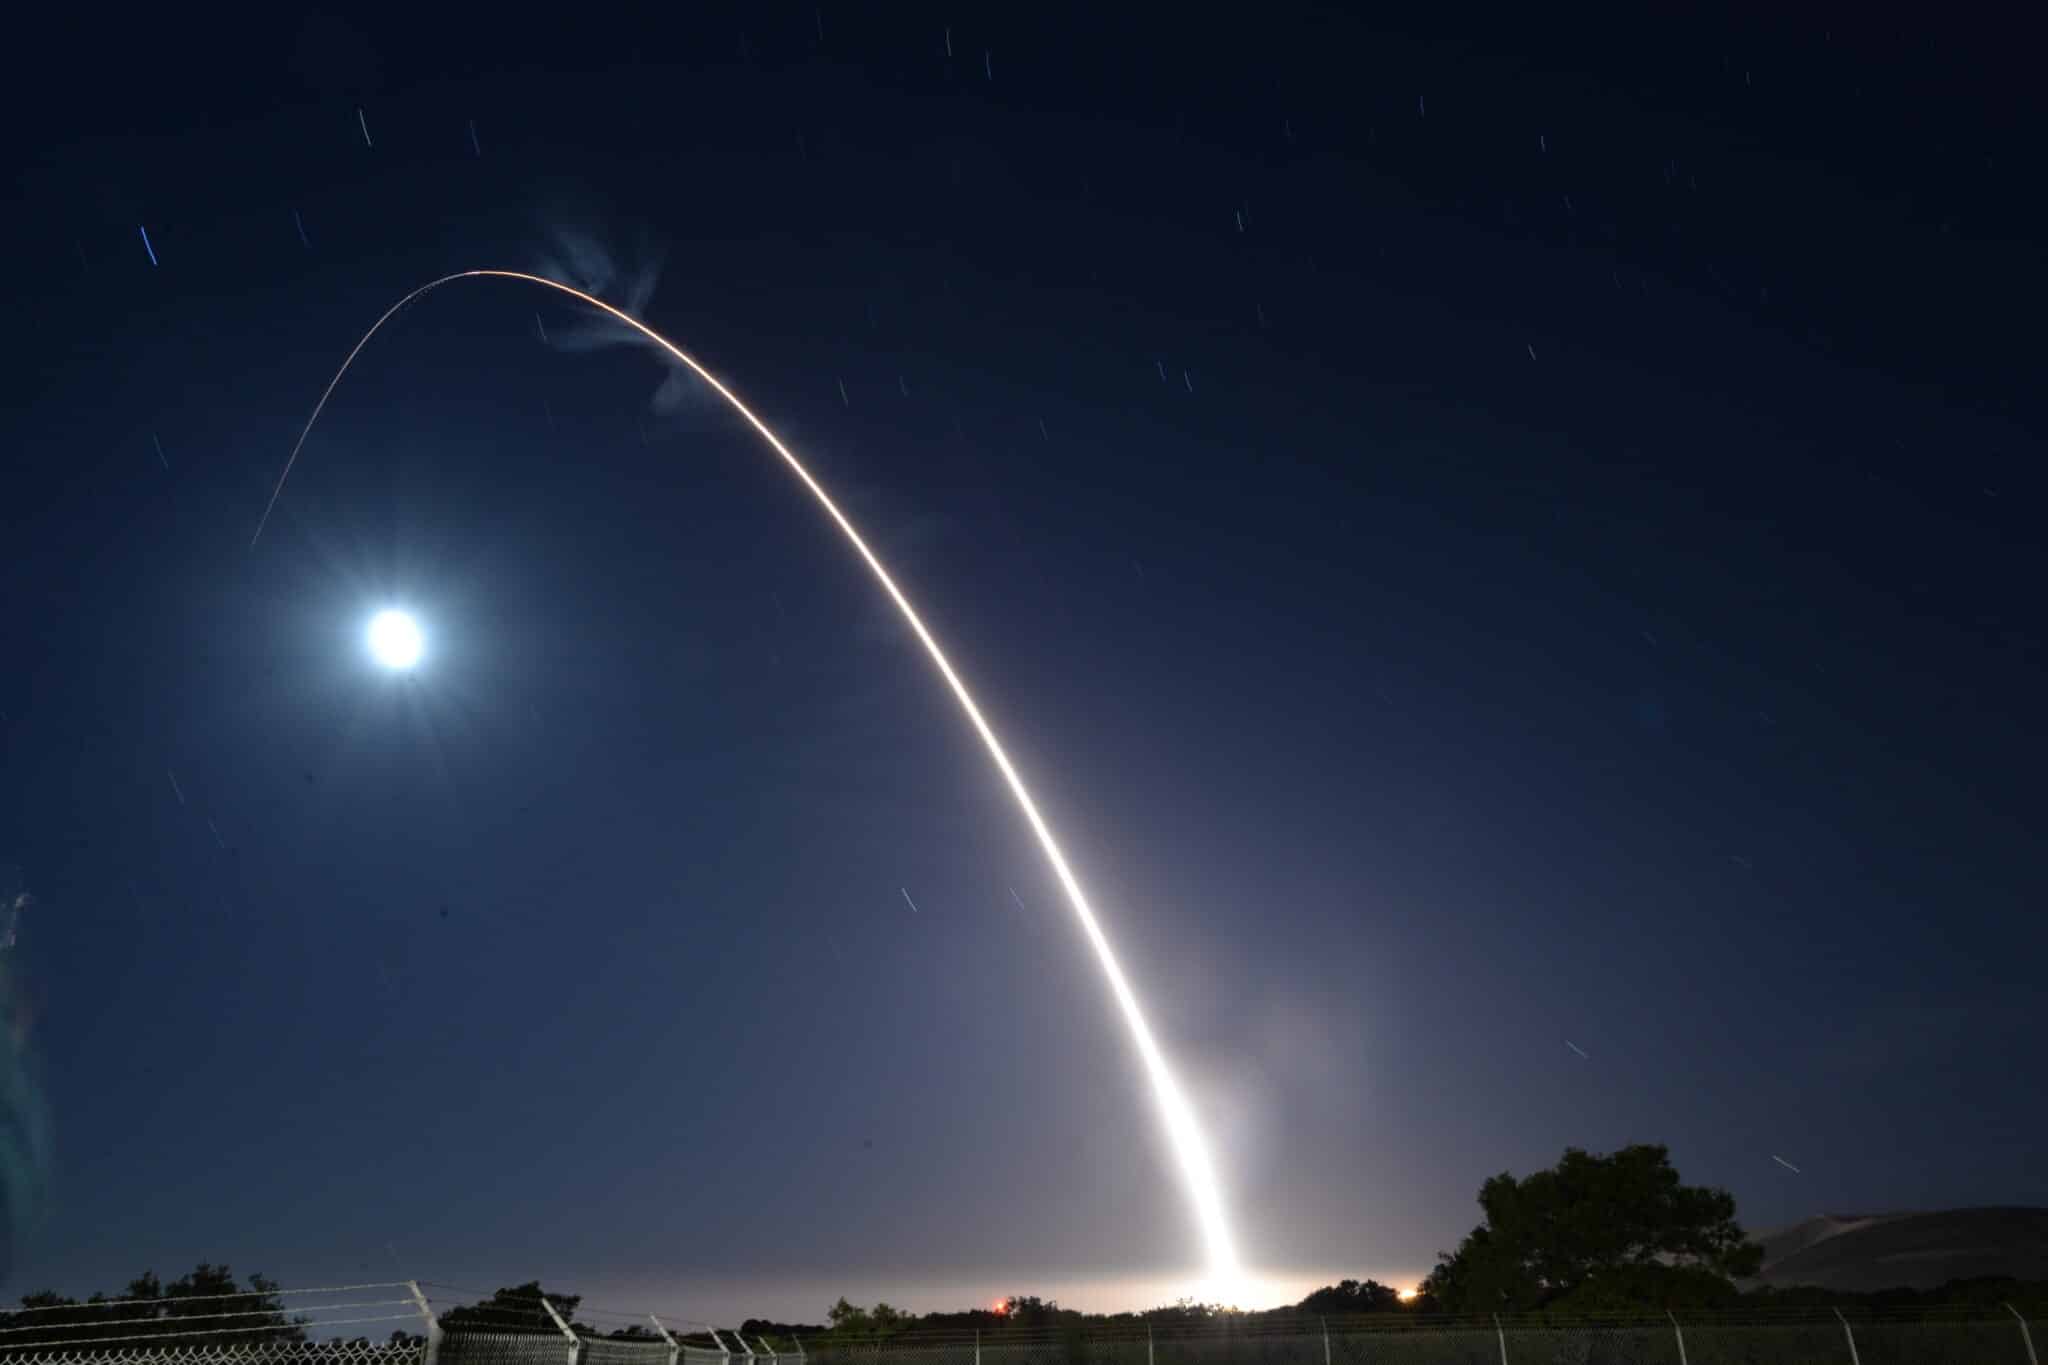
(1002,1305)
(1408,1295)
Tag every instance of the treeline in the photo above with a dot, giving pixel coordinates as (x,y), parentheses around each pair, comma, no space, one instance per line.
(1351,1299)
(195,1307)
(523,1308)
(1619,1233)
(1594,1234)
(517,1309)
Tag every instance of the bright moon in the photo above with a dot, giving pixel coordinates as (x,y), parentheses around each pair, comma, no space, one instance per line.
(395,639)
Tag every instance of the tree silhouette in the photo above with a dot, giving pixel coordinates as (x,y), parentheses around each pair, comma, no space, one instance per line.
(1352,1296)
(1596,1231)
(517,1308)
(195,1310)
(848,1318)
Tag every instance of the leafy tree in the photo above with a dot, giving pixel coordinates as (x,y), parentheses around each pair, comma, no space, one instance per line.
(1029,1310)
(1352,1296)
(1180,1313)
(849,1319)
(204,1308)
(1636,1287)
(50,1317)
(780,1334)
(196,1301)
(1596,1231)
(518,1309)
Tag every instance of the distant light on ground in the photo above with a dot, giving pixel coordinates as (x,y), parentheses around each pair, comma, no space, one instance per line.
(395,639)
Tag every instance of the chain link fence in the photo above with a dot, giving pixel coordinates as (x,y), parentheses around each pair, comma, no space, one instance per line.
(501,1348)
(357,1352)
(603,1352)
(1987,1335)
(1998,1334)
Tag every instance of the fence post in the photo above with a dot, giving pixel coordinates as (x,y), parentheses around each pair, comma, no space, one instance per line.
(1676,1331)
(773,1358)
(1148,1347)
(1496,1331)
(1854,1359)
(977,1346)
(719,1342)
(432,1353)
(675,1351)
(800,1354)
(745,1350)
(1326,1339)
(2025,1335)
(575,1342)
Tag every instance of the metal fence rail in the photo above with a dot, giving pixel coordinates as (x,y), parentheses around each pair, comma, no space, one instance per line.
(257,1332)
(1989,1335)
(266,1353)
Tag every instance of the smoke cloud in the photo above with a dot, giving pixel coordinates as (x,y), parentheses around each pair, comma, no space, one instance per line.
(626,280)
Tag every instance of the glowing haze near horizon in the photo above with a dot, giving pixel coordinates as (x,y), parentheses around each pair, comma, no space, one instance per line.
(1557,568)
(805,1297)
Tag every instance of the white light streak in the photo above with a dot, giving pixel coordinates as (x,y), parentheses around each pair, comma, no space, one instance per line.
(1191,1149)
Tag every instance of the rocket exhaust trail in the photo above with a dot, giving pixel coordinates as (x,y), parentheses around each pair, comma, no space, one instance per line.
(1191,1149)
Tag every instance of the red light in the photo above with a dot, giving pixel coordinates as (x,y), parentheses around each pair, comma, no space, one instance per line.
(1002,1305)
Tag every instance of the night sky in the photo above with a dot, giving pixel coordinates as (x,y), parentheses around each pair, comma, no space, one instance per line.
(1481,532)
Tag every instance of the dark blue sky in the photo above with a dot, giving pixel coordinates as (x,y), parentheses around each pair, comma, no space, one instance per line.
(1578,579)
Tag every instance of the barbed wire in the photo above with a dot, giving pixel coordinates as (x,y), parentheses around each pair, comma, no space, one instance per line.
(1302,1324)
(162,1299)
(613,1312)
(213,1332)
(538,1318)
(483,1298)
(213,1317)
(522,1314)
(1517,1333)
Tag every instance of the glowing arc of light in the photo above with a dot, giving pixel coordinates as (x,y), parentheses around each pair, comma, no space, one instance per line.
(1185,1134)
